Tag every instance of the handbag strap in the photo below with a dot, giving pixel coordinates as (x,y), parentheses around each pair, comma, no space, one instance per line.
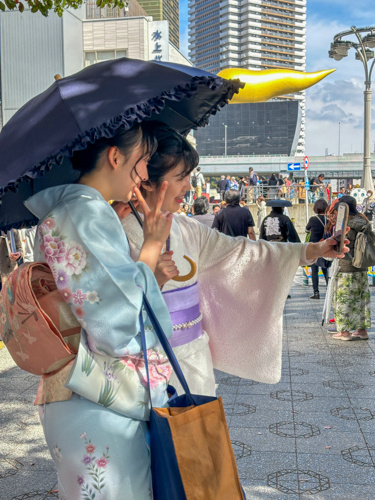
(228,224)
(319,219)
(165,345)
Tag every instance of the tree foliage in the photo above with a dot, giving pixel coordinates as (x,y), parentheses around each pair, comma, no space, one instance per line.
(58,6)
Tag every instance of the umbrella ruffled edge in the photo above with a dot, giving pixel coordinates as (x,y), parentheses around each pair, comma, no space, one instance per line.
(133,115)
(24,224)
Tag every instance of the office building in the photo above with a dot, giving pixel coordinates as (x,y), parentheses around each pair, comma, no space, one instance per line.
(269,128)
(165,10)
(252,34)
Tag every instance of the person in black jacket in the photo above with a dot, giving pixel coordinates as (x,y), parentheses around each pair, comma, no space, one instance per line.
(272,190)
(315,227)
(278,227)
(221,187)
(234,220)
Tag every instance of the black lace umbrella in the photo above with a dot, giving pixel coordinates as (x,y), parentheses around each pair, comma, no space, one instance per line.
(278,203)
(91,104)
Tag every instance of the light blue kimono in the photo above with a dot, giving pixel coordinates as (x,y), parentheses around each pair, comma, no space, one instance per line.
(99,452)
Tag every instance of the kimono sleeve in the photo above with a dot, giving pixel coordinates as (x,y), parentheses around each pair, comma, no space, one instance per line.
(243,289)
(87,251)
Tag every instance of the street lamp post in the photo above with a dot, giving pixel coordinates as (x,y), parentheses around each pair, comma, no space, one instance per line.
(225,139)
(339,49)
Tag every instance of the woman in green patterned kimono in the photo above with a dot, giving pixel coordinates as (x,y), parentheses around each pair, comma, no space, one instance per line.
(352,295)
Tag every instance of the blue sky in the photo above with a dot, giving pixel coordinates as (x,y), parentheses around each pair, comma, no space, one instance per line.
(338,98)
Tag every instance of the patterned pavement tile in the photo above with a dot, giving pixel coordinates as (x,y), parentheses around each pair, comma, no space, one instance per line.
(312,434)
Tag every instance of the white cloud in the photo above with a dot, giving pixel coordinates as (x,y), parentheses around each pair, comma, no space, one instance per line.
(339,97)
(329,104)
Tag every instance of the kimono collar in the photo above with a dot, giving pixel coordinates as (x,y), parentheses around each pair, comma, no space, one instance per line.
(42,203)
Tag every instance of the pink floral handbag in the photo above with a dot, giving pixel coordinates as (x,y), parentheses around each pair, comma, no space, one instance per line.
(37,326)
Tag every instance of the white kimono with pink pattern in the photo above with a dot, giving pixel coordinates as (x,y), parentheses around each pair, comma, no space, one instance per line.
(243,286)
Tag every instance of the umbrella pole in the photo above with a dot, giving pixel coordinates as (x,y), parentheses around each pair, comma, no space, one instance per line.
(135,212)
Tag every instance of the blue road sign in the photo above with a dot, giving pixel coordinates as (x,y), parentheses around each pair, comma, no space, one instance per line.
(294,166)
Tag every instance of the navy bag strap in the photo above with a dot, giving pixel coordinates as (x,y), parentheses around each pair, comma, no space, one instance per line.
(165,345)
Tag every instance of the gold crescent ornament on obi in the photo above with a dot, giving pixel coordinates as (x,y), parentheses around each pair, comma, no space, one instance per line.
(262,85)
(191,273)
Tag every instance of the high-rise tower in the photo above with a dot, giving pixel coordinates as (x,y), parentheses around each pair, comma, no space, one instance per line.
(165,10)
(252,34)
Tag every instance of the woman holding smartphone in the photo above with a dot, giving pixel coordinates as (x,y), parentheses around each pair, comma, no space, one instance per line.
(351,296)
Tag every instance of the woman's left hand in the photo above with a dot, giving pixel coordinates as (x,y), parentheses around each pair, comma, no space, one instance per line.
(14,256)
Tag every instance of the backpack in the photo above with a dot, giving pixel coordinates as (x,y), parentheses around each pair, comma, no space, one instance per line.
(364,248)
(37,326)
(194,180)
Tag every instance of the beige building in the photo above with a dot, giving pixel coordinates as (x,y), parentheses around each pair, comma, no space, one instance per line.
(35,48)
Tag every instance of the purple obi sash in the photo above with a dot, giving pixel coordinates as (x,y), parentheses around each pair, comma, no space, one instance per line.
(183,306)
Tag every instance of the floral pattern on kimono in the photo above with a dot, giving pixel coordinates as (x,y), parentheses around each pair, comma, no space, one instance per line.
(82,240)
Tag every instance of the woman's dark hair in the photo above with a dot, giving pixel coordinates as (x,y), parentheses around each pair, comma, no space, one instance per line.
(232,197)
(172,149)
(125,140)
(320,206)
(201,206)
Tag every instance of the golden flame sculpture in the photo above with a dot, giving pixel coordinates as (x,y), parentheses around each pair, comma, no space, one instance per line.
(262,85)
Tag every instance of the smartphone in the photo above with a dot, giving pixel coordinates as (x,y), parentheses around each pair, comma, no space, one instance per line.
(341,225)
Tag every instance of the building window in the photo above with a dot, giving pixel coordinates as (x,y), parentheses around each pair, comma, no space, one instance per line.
(96,56)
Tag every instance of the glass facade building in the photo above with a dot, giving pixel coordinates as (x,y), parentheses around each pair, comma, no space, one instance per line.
(251,34)
(267,128)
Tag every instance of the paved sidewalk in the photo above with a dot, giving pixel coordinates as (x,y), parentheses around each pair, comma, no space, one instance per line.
(311,434)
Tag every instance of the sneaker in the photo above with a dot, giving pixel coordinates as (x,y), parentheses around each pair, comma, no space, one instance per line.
(340,336)
(315,296)
(332,329)
(360,336)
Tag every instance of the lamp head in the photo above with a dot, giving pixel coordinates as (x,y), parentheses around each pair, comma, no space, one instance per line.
(369,41)
(334,55)
(368,53)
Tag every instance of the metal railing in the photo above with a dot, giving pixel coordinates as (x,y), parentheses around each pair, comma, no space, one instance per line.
(295,193)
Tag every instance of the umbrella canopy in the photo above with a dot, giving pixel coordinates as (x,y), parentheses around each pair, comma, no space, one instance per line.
(91,104)
(278,203)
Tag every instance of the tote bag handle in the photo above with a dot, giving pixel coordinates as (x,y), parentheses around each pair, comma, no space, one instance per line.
(165,345)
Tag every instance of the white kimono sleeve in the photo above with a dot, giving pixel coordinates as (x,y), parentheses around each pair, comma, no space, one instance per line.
(243,288)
